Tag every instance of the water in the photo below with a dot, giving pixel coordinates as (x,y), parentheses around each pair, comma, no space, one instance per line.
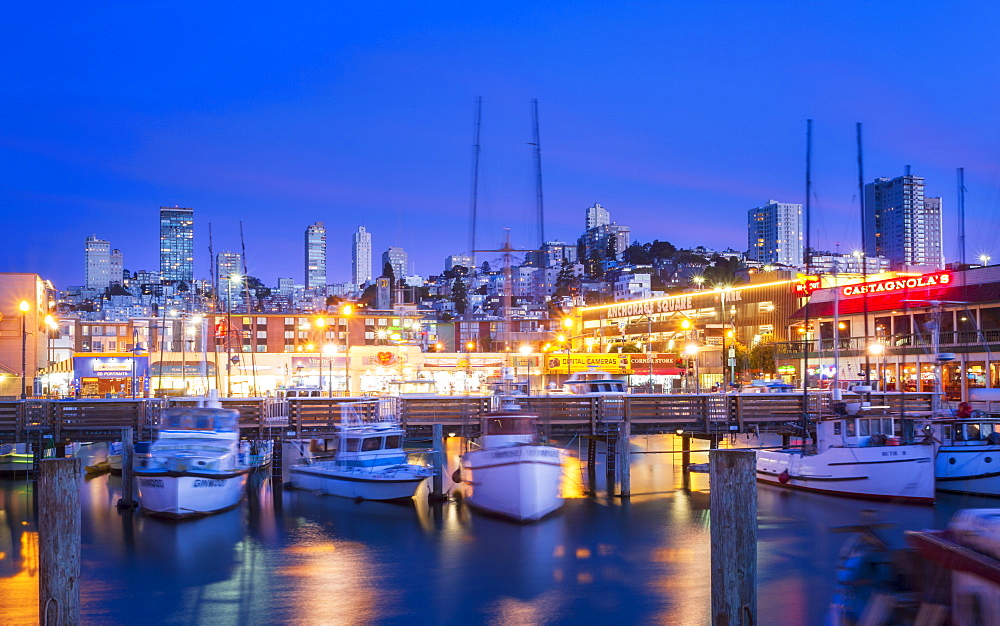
(323,560)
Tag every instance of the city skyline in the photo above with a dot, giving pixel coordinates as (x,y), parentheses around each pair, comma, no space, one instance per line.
(678,119)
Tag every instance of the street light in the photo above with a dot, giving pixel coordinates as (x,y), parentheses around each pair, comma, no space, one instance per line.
(526,350)
(24,306)
(346,314)
(692,351)
(878,349)
(984,259)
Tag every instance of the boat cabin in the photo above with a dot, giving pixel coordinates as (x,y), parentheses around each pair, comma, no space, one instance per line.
(594,381)
(501,429)
(848,430)
(976,431)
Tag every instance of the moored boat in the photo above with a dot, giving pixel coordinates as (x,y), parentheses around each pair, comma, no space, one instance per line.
(968,452)
(511,474)
(369,463)
(15,458)
(857,454)
(193,466)
(593,381)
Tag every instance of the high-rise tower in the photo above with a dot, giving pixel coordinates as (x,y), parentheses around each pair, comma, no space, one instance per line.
(176,244)
(774,234)
(316,256)
(361,257)
(597,216)
(229,279)
(398,259)
(97,263)
(901,224)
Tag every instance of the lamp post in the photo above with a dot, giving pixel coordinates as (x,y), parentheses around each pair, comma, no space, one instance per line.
(346,313)
(526,350)
(329,350)
(567,324)
(24,306)
(876,350)
(692,351)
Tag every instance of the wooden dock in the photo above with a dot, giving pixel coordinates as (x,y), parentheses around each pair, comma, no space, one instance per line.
(698,415)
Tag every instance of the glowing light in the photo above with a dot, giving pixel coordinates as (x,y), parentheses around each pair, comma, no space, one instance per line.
(24,306)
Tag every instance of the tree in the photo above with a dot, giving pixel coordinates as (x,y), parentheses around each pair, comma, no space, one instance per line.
(387,272)
(638,254)
(567,282)
(460,295)
(256,286)
(485,268)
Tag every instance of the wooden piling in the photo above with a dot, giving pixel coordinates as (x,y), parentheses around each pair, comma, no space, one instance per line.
(733,506)
(592,464)
(625,459)
(437,481)
(59,541)
(686,453)
(128,483)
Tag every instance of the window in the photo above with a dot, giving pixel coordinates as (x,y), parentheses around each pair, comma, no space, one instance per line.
(394,441)
(850,428)
(972,432)
(865,428)
(371,443)
(261,321)
(836,428)
(887,428)
(261,334)
(352,445)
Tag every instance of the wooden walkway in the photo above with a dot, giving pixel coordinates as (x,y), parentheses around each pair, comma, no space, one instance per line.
(699,415)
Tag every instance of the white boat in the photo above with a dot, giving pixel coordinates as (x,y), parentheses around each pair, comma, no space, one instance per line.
(968,453)
(16,458)
(594,382)
(369,464)
(858,455)
(511,474)
(194,465)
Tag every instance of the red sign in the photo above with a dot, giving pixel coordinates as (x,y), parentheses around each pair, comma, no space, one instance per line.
(902,283)
(805,285)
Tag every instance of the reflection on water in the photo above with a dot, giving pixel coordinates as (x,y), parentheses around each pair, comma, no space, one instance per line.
(303,558)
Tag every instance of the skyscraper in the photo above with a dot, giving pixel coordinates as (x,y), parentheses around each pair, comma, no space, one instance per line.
(361,257)
(901,224)
(774,234)
(398,259)
(116,267)
(97,263)
(228,278)
(597,216)
(316,256)
(176,244)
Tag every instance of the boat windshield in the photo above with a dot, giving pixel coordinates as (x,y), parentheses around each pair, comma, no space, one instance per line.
(509,425)
(394,441)
(371,443)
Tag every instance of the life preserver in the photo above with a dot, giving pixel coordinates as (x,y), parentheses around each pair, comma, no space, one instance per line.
(783,477)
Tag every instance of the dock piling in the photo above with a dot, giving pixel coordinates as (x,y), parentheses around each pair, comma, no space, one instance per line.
(733,506)
(59,541)
(437,481)
(127,500)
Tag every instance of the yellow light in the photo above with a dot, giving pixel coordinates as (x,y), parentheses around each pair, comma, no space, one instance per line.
(347,309)
(329,349)
(730,334)
(51,322)
(691,349)
(24,306)
(310,347)
(686,324)
(841,326)
(567,322)
(525,349)
(320,322)
(470,346)
(876,348)
(561,338)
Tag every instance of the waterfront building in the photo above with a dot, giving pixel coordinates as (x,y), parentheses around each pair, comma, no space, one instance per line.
(361,258)
(97,263)
(398,259)
(315,274)
(24,334)
(902,225)
(176,244)
(774,234)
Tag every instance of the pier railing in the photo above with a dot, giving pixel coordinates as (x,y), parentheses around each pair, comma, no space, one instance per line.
(301,418)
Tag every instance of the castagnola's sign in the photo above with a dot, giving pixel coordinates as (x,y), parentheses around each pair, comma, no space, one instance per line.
(898,284)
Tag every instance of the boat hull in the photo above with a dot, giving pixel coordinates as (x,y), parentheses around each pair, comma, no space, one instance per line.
(968,469)
(517,482)
(16,458)
(900,473)
(184,494)
(383,483)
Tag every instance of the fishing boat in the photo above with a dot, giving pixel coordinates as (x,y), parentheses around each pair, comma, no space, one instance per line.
(857,454)
(15,458)
(369,462)
(593,381)
(193,466)
(511,474)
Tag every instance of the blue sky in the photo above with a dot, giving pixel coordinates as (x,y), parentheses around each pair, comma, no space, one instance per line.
(676,116)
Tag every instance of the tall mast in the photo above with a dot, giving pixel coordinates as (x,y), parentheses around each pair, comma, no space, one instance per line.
(539,204)
(475,181)
(808,257)
(253,318)
(864,256)
(961,215)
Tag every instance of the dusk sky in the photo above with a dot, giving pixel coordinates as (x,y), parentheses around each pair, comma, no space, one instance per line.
(677,117)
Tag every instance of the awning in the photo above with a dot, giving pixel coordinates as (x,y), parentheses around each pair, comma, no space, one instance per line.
(62,367)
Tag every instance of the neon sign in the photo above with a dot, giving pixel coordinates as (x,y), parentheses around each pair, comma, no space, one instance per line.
(805,285)
(936,279)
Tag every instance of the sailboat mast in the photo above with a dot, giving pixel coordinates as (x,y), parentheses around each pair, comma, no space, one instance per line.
(864,256)
(253,318)
(475,182)
(808,257)
(539,204)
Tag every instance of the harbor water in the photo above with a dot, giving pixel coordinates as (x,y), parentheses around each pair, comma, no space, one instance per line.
(303,558)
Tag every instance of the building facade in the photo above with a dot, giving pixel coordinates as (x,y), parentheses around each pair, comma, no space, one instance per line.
(597,216)
(229,278)
(361,257)
(398,259)
(176,244)
(774,234)
(315,252)
(901,224)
